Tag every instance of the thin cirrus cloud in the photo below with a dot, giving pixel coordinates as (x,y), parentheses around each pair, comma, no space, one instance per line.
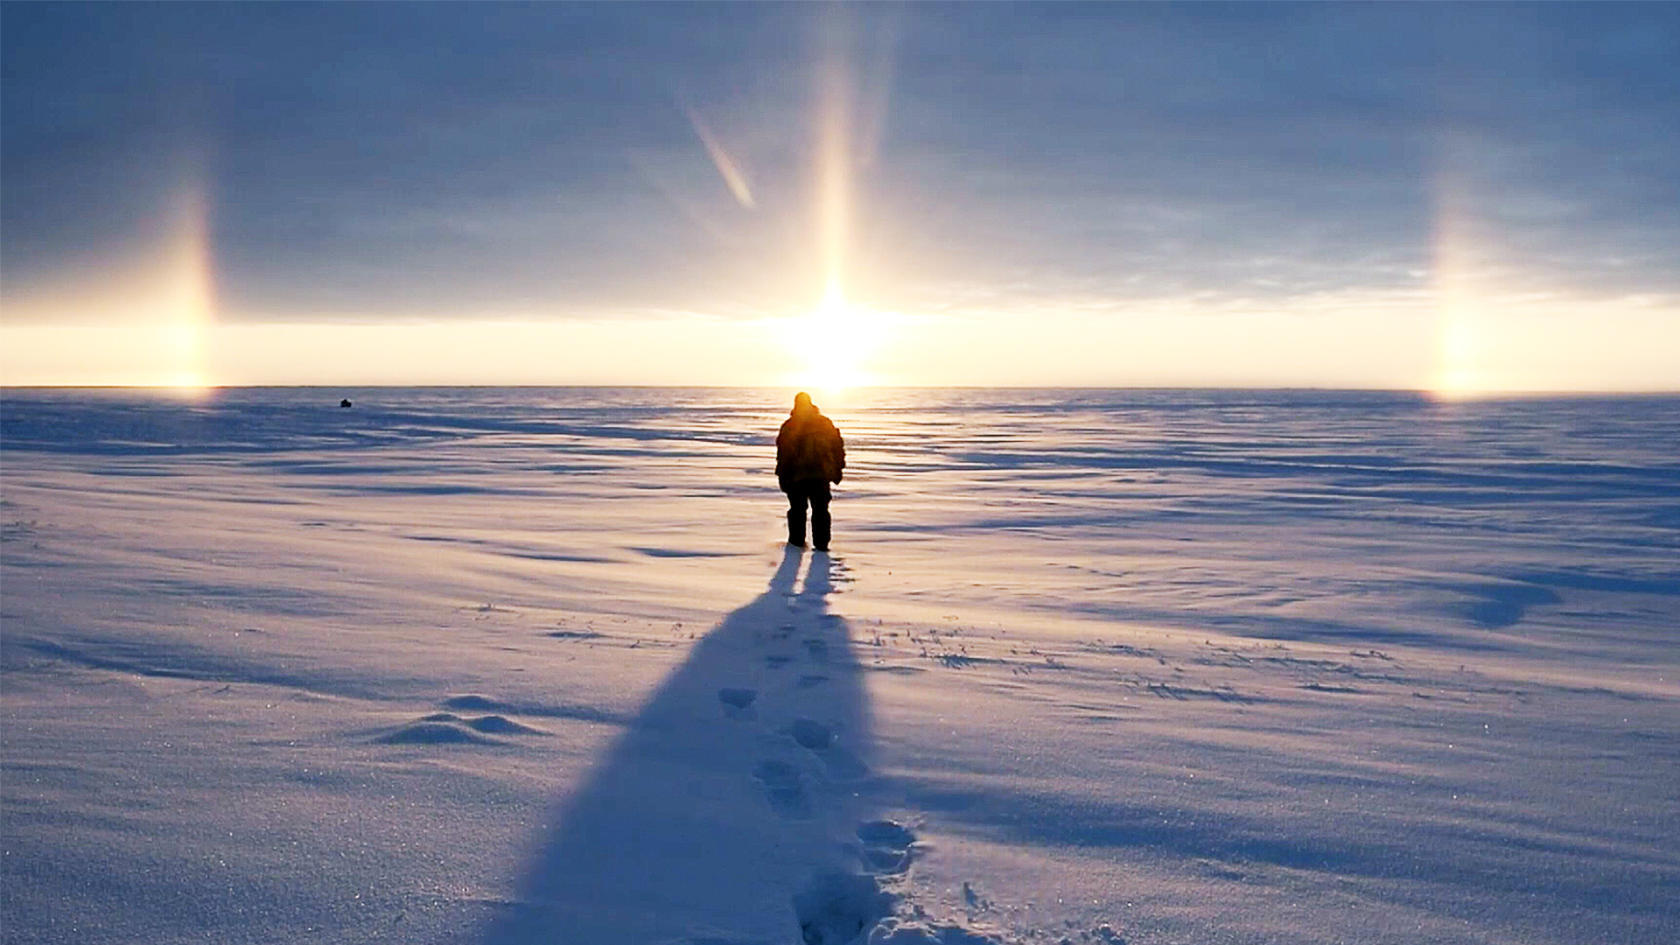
(369,163)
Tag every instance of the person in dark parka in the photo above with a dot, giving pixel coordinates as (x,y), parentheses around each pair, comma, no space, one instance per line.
(809,455)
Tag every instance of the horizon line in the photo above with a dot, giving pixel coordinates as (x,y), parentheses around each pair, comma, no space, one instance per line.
(1418,391)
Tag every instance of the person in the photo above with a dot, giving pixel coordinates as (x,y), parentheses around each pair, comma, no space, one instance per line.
(809,455)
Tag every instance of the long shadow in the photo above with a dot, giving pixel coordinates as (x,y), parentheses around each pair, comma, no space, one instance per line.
(731,788)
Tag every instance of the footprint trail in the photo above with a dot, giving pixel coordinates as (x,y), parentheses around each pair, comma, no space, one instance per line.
(734,807)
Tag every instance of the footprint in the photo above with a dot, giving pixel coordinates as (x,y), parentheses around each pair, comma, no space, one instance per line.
(820,740)
(811,679)
(777,662)
(738,703)
(888,846)
(739,698)
(836,908)
(817,649)
(812,734)
(784,787)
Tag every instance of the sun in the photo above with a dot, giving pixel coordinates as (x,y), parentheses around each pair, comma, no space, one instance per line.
(832,344)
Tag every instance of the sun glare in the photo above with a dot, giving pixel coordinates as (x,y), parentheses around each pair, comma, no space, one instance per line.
(833,343)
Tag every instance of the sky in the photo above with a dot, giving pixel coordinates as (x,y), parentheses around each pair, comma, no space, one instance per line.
(1456,198)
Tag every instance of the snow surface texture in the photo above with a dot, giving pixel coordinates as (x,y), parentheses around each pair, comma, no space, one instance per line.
(501,667)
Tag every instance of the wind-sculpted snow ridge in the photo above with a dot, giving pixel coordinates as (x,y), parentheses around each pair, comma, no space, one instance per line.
(500,667)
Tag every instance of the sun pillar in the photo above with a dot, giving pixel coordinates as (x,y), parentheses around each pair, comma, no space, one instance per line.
(834,179)
(1460,339)
(187,295)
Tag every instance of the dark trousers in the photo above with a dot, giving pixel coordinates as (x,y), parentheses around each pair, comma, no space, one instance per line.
(816,493)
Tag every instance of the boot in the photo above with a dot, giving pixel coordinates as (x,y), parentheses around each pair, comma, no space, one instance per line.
(796,527)
(820,525)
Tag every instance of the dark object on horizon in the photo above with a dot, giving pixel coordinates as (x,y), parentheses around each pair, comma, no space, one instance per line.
(809,455)
(344,403)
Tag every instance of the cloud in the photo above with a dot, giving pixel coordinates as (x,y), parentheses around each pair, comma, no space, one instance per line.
(452,161)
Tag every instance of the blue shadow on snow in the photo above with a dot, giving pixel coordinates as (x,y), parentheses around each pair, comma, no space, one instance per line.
(731,788)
